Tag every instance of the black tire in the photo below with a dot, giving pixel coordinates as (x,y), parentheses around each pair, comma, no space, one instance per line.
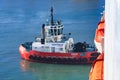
(93,58)
(39,58)
(54,60)
(31,57)
(44,59)
(79,60)
(95,54)
(49,59)
(35,58)
(84,60)
(69,61)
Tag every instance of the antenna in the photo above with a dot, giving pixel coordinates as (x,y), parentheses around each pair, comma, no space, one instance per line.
(51,15)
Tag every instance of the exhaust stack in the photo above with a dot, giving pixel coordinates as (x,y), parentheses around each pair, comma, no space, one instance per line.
(43,34)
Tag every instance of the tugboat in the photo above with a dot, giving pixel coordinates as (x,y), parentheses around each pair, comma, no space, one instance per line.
(55,47)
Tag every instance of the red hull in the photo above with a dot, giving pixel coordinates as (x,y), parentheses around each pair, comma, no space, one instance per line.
(59,58)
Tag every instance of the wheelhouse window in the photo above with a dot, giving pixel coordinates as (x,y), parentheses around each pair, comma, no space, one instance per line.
(59,32)
(55,31)
(61,49)
(52,32)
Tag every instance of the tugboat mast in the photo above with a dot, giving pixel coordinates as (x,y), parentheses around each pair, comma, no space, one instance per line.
(51,15)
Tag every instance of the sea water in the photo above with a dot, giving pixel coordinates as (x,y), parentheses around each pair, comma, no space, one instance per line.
(21,20)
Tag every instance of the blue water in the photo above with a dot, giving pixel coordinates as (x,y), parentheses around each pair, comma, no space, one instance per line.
(21,20)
